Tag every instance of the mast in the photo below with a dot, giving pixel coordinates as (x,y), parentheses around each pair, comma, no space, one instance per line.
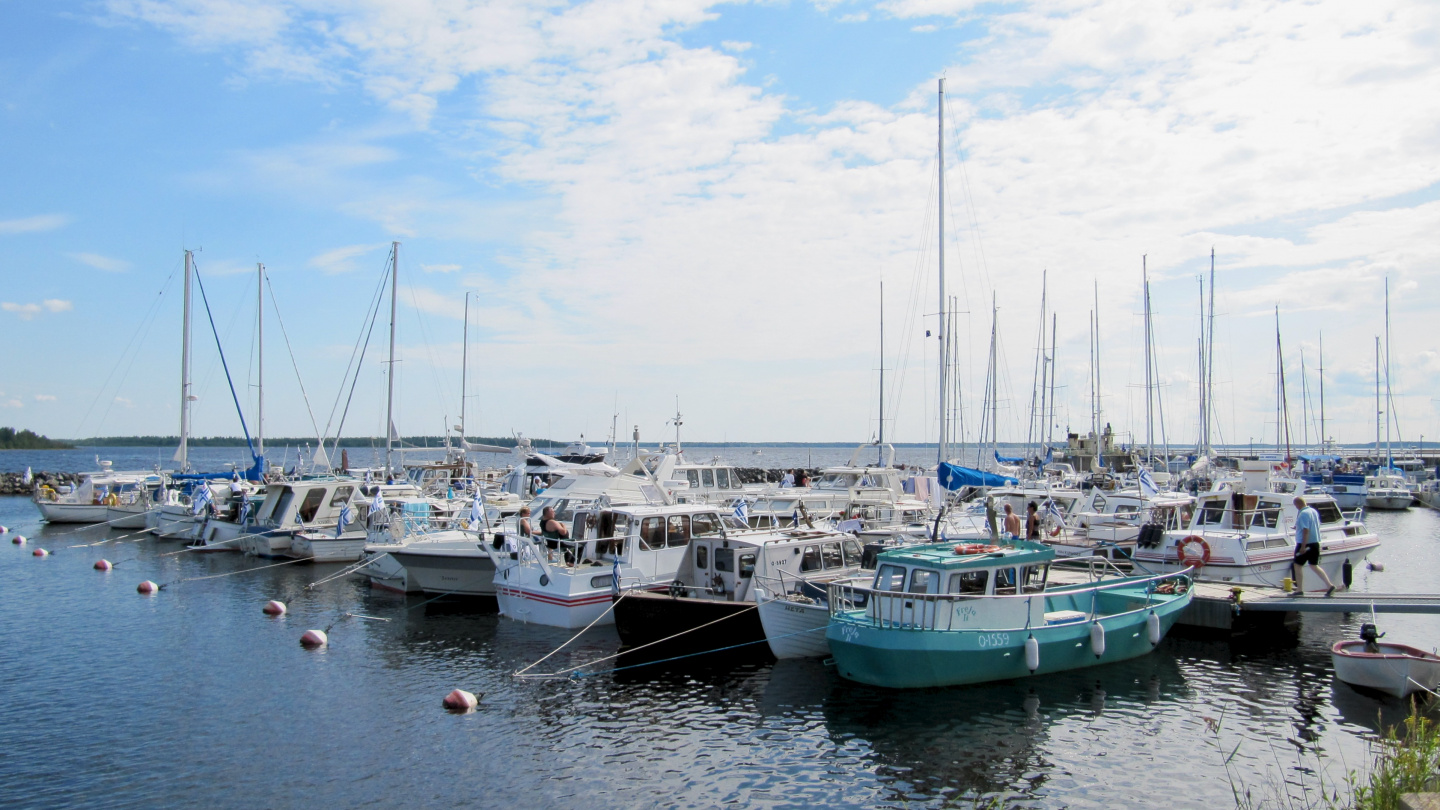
(1203,423)
(1094,420)
(1378,411)
(881,440)
(1322,393)
(1389,404)
(260,358)
(1037,384)
(182,453)
(464,367)
(1050,420)
(1304,402)
(1099,446)
(1149,416)
(942,449)
(1282,402)
(678,423)
(1210,355)
(994,382)
(390,378)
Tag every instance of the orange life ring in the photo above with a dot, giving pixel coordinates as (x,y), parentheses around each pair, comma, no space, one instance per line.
(1192,561)
(975,548)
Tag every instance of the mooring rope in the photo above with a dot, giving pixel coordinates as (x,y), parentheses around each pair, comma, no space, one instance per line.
(613,603)
(643,646)
(347,571)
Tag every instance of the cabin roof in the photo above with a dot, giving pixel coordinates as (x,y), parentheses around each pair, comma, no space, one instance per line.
(943,556)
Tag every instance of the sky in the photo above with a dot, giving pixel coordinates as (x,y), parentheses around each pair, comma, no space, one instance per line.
(678,203)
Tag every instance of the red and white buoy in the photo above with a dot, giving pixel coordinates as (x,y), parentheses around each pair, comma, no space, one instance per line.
(460,701)
(18,539)
(274,608)
(148,588)
(314,638)
(103,565)
(4,529)
(40,552)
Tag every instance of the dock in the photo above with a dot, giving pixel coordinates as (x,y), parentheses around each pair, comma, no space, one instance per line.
(1236,608)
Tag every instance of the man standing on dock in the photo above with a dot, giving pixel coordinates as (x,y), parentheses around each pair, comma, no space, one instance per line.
(1307,545)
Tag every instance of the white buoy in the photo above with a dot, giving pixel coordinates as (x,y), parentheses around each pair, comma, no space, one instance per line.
(274,608)
(148,588)
(460,701)
(1097,639)
(314,638)
(40,552)
(1152,627)
(1375,566)
(18,539)
(103,565)
(1032,654)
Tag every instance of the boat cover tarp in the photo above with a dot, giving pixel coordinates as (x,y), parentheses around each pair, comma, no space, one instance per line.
(953,477)
(1007,460)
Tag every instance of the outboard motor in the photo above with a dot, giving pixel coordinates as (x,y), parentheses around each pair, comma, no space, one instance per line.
(1369,635)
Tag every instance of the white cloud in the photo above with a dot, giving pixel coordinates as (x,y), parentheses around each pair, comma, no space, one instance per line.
(736,47)
(28,311)
(341,260)
(99,262)
(57,305)
(44,397)
(43,222)
(441,268)
(11,403)
(125,401)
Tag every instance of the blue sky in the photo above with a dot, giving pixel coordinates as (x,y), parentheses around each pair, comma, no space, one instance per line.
(693,199)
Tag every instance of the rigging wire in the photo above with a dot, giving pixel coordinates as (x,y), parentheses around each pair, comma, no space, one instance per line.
(142,330)
(275,304)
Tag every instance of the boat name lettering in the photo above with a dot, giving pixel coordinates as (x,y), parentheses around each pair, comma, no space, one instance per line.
(994,639)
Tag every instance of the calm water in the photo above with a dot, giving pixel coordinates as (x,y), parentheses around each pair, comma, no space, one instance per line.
(193,697)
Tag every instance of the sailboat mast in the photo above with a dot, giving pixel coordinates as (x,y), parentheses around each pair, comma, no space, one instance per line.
(881,439)
(390,378)
(1098,407)
(1322,393)
(1149,398)
(1202,424)
(1050,420)
(260,359)
(1389,404)
(464,367)
(1210,355)
(1282,404)
(994,381)
(182,454)
(1037,384)
(942,450)
(1378,411)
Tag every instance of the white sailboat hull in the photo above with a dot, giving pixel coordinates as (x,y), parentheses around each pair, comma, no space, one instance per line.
(55,512)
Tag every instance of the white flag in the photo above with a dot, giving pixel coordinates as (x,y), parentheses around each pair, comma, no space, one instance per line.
(1147,484)
(29,477)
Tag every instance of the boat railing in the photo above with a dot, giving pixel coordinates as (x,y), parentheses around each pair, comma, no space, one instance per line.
(939,611)
(1096,566)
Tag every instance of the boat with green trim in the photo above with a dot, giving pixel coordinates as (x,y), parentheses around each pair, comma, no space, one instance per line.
(945,615)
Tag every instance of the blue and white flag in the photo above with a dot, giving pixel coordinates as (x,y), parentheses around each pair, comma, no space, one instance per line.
(787,480)
(1049,457)
(1052,509)
(477,514)
(1147,484)
(378,505)
(367,476)
(742,511)
(345,517)
(200,500)
(29,477)
(244,509)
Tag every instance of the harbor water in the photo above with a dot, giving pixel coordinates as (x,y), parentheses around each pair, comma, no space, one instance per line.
(193,697)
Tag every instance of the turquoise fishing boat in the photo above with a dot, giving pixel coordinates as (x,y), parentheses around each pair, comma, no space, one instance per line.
(945,615)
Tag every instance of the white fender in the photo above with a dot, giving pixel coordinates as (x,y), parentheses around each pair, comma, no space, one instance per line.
(1032,654)
(1152,627)
(1097,639)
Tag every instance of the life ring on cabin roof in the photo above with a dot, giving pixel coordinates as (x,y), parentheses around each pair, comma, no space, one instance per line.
(1189,560)
(975,548)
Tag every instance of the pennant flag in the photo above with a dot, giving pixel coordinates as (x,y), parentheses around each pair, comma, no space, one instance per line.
(201,499)
(1052,509)
(346,516)
(244,509)
(1147,484)
(742,512)
(477,514)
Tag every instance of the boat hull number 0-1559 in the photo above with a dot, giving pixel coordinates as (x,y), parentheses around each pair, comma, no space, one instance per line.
(994,639)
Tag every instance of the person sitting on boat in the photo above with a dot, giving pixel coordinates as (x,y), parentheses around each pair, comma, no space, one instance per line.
(525,530)
(1307,545)
(550,528)
(1012,523)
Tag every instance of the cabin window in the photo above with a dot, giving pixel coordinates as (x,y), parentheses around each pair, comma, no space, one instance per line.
(602,581)
(969,582)
(810,559)
(705,525)
(707,478)
(652,532)
(890,578)
(923,580)
(1267,516)
(725,559)
(563,483)
(1005,581)
(722,479)
(830,553)
(693,476)
(852,552)
(311,504)
(1126,510)
(1213,513)
(747,565)
(702,556)
(1032,578)
(677,531)
(1329,511)
(341,496)
(1099,502)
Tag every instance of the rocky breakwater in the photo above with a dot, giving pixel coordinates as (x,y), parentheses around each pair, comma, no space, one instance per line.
(14,483)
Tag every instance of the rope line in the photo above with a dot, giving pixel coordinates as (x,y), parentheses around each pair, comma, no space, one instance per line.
(613,603)
(657,641)
(347,571)
(233,573)
(705,652)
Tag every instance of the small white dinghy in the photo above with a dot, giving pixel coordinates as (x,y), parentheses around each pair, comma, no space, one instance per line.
(1395,669)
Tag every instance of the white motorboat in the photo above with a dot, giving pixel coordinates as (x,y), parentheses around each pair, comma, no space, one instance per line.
(1247,534)
(572,582)
(128,502)
(1395,669)
(85,502)
(289,507)
(1387,490)
(793,597)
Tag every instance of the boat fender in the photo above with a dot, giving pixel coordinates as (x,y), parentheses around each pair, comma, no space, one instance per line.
(103,565)
(1347,573)
(1152,628)
(314,639)
(1188,560)
(273,608)
(1032,654)
(1097,639)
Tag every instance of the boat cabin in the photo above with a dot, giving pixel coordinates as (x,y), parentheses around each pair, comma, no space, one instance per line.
(915,584)
(306,504)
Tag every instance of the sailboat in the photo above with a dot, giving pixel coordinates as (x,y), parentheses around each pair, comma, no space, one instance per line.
(1387,488)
